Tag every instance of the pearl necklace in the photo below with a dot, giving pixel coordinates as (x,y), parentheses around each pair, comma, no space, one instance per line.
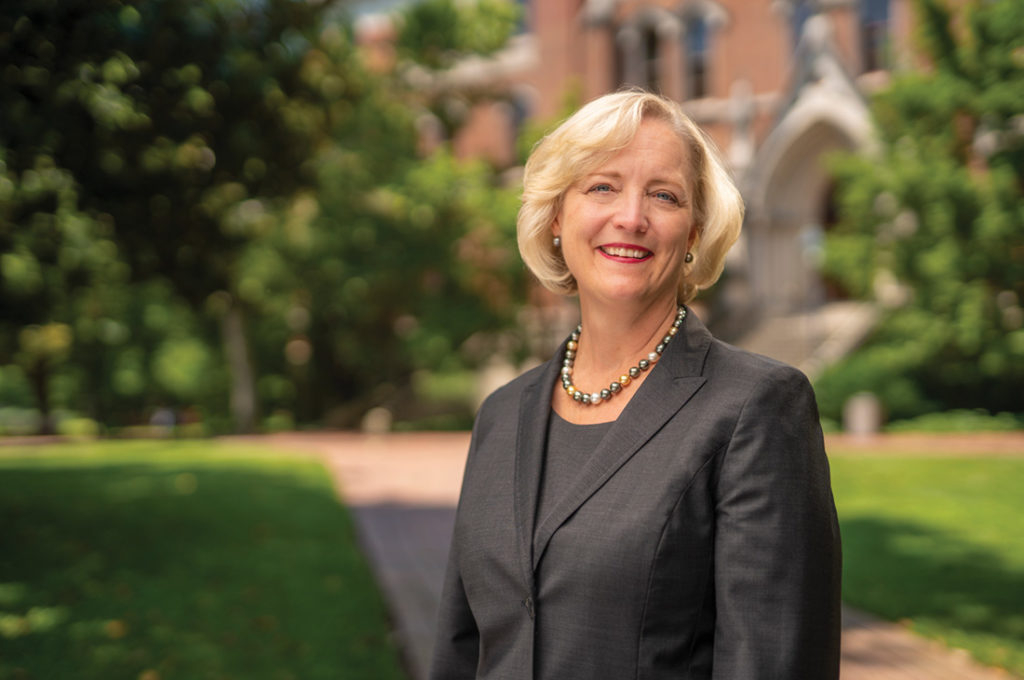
(616,386)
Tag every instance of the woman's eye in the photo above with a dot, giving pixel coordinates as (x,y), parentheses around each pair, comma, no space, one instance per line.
(664,196)
(601,188)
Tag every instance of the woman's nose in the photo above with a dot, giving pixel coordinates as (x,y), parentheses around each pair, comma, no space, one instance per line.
(631,211)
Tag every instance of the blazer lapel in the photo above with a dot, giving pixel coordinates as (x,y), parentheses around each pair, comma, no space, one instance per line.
(672,382)
(531,440)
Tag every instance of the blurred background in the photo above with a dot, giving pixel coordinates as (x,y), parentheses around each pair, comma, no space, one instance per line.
(257,216)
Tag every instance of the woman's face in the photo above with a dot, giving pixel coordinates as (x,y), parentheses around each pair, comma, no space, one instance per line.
(626,226)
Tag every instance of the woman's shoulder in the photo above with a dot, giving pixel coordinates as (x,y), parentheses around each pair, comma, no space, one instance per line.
(727,361)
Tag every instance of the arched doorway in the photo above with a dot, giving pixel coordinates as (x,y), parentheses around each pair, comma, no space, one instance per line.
(786,240)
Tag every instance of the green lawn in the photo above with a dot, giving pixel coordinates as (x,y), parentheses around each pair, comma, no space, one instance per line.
(161,560)
(938,543)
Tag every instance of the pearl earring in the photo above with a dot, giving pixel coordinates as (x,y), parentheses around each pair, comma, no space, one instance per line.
(558,242)
(688,258)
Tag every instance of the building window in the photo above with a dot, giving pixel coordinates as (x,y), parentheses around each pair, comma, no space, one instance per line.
(620,64)
(638,56)
(874,33)
(696,58)
(651,64)
(627,41)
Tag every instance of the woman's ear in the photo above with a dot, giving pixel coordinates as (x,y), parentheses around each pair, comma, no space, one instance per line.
(693,237)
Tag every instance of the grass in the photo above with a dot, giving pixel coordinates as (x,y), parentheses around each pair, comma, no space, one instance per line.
(184,560)
(937,543)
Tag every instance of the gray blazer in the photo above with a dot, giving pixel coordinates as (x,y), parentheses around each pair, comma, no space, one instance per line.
(699,541)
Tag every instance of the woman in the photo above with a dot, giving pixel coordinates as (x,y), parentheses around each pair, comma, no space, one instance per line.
(651,503)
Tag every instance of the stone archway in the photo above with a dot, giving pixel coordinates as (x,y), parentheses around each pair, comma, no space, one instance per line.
(788,190)
(787,233)
(788,186)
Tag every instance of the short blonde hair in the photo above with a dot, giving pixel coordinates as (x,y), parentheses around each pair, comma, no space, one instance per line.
(590,137)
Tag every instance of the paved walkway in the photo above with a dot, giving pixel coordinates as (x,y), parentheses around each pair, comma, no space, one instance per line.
(403,488)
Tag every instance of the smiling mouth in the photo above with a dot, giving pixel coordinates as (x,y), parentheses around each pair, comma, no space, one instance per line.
(626,252)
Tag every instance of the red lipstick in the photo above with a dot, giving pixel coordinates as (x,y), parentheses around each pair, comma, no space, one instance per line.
(625,252)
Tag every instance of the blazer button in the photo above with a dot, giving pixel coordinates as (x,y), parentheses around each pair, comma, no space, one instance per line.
(528,603)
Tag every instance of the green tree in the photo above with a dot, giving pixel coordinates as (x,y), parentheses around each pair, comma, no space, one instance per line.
(182,123)
(437,33)
(434,35)
(226,184)
(55,264)
(388,267)
(932,226)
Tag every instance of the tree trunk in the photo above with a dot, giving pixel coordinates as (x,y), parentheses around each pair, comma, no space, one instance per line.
(243,389)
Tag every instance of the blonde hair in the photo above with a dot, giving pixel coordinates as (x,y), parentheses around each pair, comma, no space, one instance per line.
(590,137)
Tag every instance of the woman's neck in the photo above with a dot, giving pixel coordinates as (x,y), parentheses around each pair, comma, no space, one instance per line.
(615,337)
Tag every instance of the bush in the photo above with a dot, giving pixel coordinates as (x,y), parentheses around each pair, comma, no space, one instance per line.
(960,420)
(79,428)
(279,421)
(886,371)
(16,421)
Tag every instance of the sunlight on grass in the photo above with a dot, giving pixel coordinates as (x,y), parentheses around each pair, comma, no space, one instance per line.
(181,560)
(936,542)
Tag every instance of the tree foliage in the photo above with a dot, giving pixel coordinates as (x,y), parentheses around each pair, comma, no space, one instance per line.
(932,226)
(435,37)
(213,202)
(437,33)
(172,123)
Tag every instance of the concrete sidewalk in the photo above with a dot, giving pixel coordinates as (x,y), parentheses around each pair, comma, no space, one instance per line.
(402,490)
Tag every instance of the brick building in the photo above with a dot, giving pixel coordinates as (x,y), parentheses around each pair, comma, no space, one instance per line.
(778,84)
